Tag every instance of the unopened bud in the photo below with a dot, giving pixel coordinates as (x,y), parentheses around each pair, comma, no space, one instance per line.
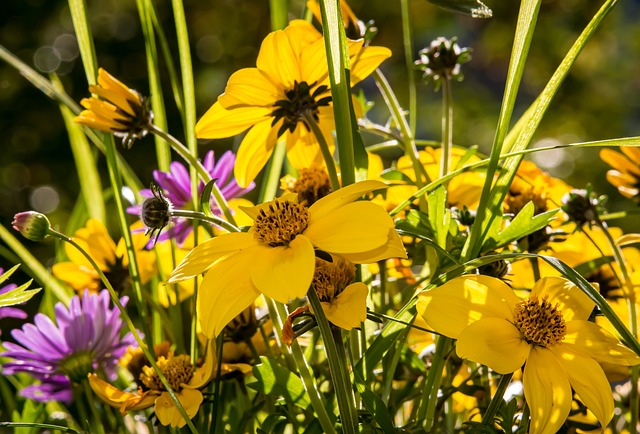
(32,225)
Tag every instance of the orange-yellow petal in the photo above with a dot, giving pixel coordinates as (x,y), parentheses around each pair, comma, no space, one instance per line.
(341,197)
(225,292)
(589,382)
(278,61)
(125,401)
(547,391)
(494,342)
(449,308)
(250,87)
(592,340)
(254,151)
(349,308)
(367,61)
(76,276)
(167,411)
(392,248)
(572,302)
(284,273)
(218,122)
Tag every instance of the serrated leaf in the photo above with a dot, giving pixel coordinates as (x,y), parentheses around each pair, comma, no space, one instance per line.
(274,379)
(18,295)
(473,8)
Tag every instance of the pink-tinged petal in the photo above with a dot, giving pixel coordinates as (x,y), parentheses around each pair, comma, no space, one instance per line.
(352,228)
(209,252)
(225,291)
(589,381)
(345,195)
(572,302)
(593,341)
(250,87)
(254,152)
(349,308)
(278,61)
(218,122)
(494,342)
(547,391)
(284,273)
(449,308)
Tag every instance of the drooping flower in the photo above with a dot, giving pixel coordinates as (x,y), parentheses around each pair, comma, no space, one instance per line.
(177,188)
(276,257)
(291,81)
(548,330)
(116,109)
(112,259)
(625,175)
(85,337)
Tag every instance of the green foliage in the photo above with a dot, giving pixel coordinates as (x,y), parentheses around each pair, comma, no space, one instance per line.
(271,378)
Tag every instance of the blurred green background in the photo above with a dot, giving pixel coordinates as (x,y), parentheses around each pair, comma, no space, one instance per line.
(598,101)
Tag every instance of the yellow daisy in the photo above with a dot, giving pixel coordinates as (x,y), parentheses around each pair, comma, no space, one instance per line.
(291,81)
(625,175)
(276,257)
(112,260)
(549,331)
(116,109)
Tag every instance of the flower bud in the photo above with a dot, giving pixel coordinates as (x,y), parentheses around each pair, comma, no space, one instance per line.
(442,60)
(583,206)
(32,225)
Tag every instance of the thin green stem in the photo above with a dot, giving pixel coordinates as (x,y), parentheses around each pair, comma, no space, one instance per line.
(535,267)
(213,220)
(324,148)
(434,378)
(408,57)
(271,179)
(496,401)
(338,368)
(130,325)
(218,381)
(89,396)
(200,169)
(447,126)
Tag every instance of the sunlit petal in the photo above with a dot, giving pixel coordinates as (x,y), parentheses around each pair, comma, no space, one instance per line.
(349,308)
(250,87)
(572,302)
(341,197)
(218,122)
(278,61)
(254,152)
(167,412)
(592,340)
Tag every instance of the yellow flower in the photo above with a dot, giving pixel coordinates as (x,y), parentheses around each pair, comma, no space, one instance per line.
(291,80)
(112,259)
(116,109)
(276,257)
(549,331)
(349,19)
(626,173)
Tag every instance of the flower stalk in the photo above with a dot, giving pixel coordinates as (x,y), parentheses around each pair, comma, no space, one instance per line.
(324,148)
(496,401)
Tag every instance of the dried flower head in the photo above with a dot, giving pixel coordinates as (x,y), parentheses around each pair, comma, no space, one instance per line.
(442,60)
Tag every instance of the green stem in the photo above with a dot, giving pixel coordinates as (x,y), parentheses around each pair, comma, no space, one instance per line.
(130,325)
(88,393)
(447,126)
(408,57)
(216,396)
(200,169)
(324,148)
(434,378)
(213,220)
(524,421)
(337,366)
(535,268)
(271,179)
(496,402)
(279,14)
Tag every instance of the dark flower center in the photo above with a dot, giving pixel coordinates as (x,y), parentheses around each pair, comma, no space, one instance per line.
(177,370)
(311,185)
(300,102)
(117,275)
(539,322)
(281,223)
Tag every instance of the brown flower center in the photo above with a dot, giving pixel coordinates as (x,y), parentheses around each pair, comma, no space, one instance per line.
(177,370)
(312,184)
(300,100)
(331,278)
(539,322)
(280,223)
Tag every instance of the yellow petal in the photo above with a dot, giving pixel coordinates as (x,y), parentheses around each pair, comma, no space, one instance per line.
(349,308)
(547,391)
(225,292)
(619,161)
(250,87)
(278,61)
(168,413)
(303,150)
(589,382)
(392,248)
(592,340)
(572,302)
(76,276)
(284,273)
(218,122)
(313,63)
(633,153)
(449,308)
(341,197)
(204,373)
(117,398)
(95,240)
(355,227)
(367,61)
(494,342)
(301,34)
(254,151)
(208,253)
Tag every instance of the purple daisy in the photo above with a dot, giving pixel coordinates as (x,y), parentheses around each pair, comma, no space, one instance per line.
(86,339)
(177,188)
(10,312)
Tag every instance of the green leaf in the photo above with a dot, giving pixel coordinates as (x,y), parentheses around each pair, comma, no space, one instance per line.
(374,404)
(205,198)
(473,8)
(439,215)
(522,225)
(271,378)
(18,295)
(396,175)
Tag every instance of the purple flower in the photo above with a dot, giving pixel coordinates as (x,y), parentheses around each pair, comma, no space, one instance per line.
(10,312)
(85,339)
(177,187)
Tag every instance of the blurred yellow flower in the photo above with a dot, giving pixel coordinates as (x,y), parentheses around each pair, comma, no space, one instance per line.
(349,19)
(291,81)
(116,109)
(112,259)
(276,257)
(625,175)
(549,331)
